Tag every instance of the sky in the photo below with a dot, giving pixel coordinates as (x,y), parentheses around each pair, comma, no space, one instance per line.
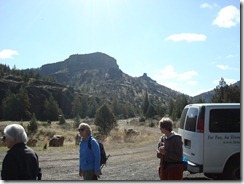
(186,45)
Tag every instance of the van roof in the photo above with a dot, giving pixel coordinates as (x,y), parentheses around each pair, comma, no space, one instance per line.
(214,104)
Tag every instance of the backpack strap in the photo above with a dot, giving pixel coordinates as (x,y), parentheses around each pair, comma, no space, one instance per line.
(89,143)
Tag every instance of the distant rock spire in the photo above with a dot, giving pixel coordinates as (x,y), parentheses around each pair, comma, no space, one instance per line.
(144,75)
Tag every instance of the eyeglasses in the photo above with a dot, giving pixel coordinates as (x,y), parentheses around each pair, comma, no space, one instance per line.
(81,129)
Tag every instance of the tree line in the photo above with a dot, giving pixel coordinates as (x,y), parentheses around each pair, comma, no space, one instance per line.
(223,94)
(18,105)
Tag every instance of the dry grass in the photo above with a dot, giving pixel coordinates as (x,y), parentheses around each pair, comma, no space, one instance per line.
(116,139)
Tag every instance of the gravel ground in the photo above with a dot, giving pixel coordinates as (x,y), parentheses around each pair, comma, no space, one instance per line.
(124,164)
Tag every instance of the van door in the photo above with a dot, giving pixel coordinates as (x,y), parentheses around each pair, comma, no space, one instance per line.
(222,137)
(192,140)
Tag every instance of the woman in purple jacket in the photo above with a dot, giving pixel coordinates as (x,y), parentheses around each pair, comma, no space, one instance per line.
(170,152)
(89,154)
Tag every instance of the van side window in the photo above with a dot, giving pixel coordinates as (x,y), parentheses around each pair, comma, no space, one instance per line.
(191,119)
(224,120)
(183,117)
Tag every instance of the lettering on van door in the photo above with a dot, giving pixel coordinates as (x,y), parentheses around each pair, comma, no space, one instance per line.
(227,139)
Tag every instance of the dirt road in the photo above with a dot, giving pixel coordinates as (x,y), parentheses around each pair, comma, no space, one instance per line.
(124,164)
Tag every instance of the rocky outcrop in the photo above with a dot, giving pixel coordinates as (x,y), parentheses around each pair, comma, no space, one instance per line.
(56,141)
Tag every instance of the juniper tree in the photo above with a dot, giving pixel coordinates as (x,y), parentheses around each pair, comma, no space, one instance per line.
(33,125)
(105,120)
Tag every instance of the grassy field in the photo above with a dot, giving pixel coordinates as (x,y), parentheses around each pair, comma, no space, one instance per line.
(118,136)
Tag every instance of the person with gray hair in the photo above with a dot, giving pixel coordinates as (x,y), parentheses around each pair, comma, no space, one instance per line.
(89,156)
(20,162)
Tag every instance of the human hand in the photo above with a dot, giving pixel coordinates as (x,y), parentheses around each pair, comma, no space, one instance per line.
(162,150)
(81,174)
(98,174)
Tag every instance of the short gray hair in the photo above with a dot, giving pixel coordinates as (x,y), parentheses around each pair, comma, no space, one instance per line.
(86,126)
(15,133)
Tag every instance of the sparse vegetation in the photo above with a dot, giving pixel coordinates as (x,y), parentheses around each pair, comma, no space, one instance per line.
(116,137)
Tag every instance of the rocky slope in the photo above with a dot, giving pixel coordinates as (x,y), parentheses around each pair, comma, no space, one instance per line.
(99,74)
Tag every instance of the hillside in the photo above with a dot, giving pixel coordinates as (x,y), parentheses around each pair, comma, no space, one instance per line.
(99,75)
(207,96)
(18,95)
(89,80)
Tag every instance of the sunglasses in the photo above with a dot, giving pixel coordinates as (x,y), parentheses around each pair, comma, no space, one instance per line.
(3,138)
(81,129)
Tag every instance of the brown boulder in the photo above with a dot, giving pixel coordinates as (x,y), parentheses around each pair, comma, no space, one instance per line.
(31,142)
(56,141)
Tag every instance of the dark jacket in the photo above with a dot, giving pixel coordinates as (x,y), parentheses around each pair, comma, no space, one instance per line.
(20,163)
(174,150)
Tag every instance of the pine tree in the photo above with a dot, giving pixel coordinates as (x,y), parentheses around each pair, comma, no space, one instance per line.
(151,112)
(10,107)
(145,104)
(105,120)
(225,93)
(84,107)
(92,108)
(76,106)
(24,104)
(170,107)
(115,107)
(33,125)
(178,106)
(52,110)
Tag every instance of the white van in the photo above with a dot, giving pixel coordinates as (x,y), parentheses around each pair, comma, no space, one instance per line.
(211,139)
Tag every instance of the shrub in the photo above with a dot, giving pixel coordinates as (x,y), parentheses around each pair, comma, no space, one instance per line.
(33,126)
(76,122)
(61,120)
(142,119)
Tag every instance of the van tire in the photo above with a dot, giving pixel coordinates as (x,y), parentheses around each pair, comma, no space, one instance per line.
(232,168)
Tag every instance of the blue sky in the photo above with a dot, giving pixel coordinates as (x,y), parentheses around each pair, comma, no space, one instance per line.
(186,45)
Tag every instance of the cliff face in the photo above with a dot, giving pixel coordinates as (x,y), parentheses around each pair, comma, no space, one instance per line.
(76,63)
(98,74)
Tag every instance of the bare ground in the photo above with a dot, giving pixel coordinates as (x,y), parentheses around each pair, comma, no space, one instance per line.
(126,163)
(123,164)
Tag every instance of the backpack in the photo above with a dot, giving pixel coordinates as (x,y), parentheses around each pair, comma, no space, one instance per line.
(103,156)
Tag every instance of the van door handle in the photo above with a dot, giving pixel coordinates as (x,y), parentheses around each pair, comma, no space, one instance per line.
(193,154)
